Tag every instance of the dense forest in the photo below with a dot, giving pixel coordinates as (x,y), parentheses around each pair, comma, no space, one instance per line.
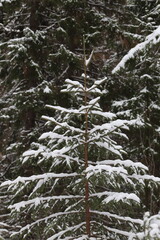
(79,119)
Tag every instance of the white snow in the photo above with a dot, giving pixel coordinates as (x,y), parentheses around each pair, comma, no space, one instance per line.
(146,76)
(130,235)
(37,186)
(55,215)
(66,110)
(30,153)
(47,90)
(69,229)
(125,163)
(109,146)
(45,177)
(60,29)
(78,88)
(87,61)
(91,170)
(63,125)
(74,83)
(112,127)
(146,177)
(158,130)
(108,115)
(155,106)
(116,196)
(94,101)
(153,38)
(144,90)
(40,200)
(137,122)
(123,218)
(3,1)
(151,226)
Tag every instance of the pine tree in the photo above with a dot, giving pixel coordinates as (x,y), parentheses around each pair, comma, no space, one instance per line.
(86,189)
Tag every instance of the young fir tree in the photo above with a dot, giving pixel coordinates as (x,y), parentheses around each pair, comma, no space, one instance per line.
(86,189)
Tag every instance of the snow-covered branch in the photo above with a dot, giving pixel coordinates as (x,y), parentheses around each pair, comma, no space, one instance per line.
(111,215)
(40,200)
(151,39)
(37,222)
(45,177)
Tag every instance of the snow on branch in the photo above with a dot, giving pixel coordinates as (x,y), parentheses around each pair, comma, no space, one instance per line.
(87,61)
(73,86)
(126,163)
(107,115)
(74,83)
(76,87)
(130,235)
(151,227)
(63,125)
(111,215)
(39,200)
(94,101)
(37,222)
(44,176)
(66,110)
(69,229)
(117,196)
(97,83)
(153,39)
(91,170)
(3,1)
(111,127)
(146,177)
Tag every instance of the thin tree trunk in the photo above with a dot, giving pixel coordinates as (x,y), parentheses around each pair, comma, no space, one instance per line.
(87,207)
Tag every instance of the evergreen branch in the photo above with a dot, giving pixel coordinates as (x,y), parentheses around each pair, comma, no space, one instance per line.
(37,222)
(63,125)
(153,38)
(44,176)
(69,229)
(123,218)
(39,200)
(130,235)
(116,196)
(66,110)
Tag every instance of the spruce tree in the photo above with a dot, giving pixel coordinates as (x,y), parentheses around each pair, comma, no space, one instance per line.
(86,189)
(142,71)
